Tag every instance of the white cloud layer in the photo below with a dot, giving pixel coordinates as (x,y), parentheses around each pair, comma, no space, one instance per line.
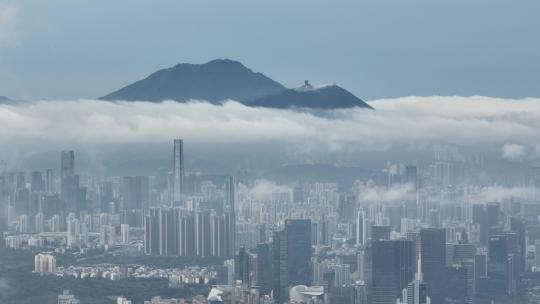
(8,21)
(513,151)
(415,122)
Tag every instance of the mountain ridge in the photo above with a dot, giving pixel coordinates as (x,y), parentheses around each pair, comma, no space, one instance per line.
(224,79)
(213,81)
(307,96)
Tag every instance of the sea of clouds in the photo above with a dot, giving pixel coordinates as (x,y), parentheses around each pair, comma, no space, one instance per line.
(511,127)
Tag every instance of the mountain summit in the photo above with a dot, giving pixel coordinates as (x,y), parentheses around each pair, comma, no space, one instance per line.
(213,81)
(308,96)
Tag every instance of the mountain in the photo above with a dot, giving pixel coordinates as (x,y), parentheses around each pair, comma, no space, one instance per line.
(307,96)
(3,98)
(213,81)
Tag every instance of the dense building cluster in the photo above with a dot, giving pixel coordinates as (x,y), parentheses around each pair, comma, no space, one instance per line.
(413,234)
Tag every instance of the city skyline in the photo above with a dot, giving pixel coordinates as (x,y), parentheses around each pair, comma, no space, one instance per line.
(279,152)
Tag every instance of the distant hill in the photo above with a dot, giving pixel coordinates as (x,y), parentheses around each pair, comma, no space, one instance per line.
(307,96)
(213,81)
(3,98)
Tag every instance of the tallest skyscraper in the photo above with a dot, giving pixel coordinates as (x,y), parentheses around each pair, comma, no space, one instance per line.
(70,190)
(178,170)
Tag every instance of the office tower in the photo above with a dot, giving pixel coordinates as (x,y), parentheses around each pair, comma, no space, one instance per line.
(45,263)
(479,218)
(462,253)
(392,269)
(433,253)
(298,234)
(230,194)
(291,255)
(280,272)
(501,263)
(518,227)
(361,228)
(178,170)
(49,181)
(70,191)
(380,233)
(264,268)
(456,279)
(242,269)
(67,163)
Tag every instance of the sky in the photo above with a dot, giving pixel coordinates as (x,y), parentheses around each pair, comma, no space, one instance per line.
(64,49)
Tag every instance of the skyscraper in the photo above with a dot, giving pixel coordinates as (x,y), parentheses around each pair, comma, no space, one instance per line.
(298,234)
(361,228)
(433,252)
(393,268)
(178,170)
(67,166)
(70,190)
(264,269)
(242,269)
(416,292)
(280,273)
(230,199)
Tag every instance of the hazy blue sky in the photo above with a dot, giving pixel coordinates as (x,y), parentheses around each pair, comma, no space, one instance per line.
(87,48)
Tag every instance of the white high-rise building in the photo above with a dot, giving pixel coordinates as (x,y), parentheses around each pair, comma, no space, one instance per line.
(361,228)
(45,263)
(55,223)
(73,231)
(124,229)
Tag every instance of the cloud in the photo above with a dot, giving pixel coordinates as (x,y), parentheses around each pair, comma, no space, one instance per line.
(394,194)
(513,151)
(8,22)
(265,189)
(502,194)
(415,123)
